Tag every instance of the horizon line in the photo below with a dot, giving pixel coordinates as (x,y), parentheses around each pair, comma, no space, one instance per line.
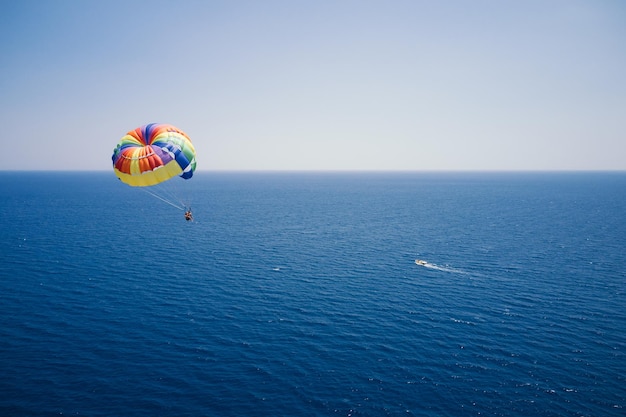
(382,171)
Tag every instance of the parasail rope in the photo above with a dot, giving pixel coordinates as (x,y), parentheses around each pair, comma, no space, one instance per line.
(162,199)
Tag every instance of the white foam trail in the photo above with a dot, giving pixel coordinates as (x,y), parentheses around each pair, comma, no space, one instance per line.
(440,268)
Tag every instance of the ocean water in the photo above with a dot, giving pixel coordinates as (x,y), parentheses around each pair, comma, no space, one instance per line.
(297,294)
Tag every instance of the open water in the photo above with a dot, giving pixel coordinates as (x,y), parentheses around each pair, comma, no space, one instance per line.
(297,294)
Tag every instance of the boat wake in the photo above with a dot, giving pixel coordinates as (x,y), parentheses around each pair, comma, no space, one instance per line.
(443,268)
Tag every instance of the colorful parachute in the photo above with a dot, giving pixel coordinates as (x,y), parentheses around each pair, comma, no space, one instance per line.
(152,154)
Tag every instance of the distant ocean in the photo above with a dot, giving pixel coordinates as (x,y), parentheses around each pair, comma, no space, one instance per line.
(297,294)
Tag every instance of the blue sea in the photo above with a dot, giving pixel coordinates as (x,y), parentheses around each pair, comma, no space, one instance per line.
(297,294)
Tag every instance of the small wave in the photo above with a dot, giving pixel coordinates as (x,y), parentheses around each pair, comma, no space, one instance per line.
(462,321)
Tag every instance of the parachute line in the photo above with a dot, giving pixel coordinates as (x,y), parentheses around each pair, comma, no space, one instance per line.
(162,199)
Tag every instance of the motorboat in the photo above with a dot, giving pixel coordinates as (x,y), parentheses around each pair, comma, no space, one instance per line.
(421,262)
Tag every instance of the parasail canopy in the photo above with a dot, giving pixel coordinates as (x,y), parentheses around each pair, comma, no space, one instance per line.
(152,154)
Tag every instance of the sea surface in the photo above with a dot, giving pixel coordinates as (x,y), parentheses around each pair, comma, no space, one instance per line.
(297,294)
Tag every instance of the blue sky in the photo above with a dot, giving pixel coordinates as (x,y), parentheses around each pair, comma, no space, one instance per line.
(318,85)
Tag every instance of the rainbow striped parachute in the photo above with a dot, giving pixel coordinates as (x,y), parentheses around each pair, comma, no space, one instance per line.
(152,154)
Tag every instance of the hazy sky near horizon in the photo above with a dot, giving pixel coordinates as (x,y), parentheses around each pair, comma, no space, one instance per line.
(318,85)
